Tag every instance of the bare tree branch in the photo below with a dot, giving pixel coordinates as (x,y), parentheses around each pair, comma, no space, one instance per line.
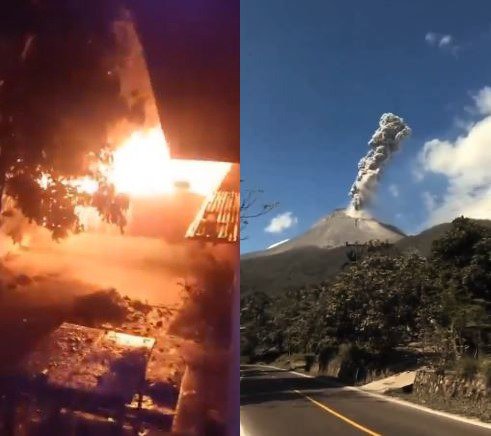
(249,208)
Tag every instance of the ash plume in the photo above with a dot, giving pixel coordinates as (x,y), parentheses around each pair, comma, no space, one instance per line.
(385,141)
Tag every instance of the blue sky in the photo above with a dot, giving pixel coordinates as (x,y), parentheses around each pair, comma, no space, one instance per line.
(315,78)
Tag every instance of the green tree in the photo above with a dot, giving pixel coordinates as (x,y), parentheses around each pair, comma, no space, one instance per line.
(462,262)
(256,322)
(383,299)
(373,304)
(59,92)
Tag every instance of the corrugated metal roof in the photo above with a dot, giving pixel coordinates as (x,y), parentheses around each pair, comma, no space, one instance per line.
(218,220)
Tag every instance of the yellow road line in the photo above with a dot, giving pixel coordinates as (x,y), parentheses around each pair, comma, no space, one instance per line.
(338,415)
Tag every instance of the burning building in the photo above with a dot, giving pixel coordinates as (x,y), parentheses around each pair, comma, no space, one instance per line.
(112,119)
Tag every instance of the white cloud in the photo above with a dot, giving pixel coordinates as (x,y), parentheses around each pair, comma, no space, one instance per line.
(281,222)
(442,41)
(483,101)
(394,190)
(466,164)
(429,201)
(462,123)
(431,38)
(418,173)
(445,40)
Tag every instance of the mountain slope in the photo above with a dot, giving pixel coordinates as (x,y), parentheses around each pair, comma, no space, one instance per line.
(335,230)
(290,269)
(309,265)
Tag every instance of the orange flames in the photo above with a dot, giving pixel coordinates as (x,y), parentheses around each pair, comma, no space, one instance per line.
(142,166)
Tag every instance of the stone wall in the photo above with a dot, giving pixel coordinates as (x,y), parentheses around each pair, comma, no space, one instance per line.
(337,368)
(449,387)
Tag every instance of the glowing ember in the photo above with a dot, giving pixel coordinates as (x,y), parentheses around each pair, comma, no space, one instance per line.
(44,181)
(85,184)
(142,167)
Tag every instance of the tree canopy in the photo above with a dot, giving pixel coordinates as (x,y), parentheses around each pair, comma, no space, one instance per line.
(59,93)
(383,300)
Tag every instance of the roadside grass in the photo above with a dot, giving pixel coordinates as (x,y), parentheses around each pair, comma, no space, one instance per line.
(456,406)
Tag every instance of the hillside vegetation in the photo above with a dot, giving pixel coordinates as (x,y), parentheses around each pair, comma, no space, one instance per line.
(436,294)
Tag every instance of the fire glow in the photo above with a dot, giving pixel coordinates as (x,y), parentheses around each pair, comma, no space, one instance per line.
(142,166)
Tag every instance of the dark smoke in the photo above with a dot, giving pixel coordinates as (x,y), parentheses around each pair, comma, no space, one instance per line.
(385,141)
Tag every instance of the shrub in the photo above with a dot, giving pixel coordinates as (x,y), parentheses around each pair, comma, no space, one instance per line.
(486,372)
(345,352)
(326,353)
(100,306)
(467,367)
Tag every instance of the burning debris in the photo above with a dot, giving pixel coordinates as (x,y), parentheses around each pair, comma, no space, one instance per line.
(385,141)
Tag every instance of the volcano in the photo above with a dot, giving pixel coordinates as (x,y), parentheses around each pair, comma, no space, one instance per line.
(337,229)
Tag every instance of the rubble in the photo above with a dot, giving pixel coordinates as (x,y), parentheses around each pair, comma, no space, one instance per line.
(93,357)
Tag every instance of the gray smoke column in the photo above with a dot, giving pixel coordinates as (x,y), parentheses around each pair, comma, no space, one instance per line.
(385,141)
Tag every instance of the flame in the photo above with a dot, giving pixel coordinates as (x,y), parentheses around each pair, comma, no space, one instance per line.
(85,184)
(82,184)
(142,166)
(44,181)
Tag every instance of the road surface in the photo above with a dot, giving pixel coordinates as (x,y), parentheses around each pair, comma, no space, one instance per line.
(281,403)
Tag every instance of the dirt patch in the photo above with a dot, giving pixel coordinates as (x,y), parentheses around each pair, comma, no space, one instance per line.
(31,307)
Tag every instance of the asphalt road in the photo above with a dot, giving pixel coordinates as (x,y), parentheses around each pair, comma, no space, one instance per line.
(281,403)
